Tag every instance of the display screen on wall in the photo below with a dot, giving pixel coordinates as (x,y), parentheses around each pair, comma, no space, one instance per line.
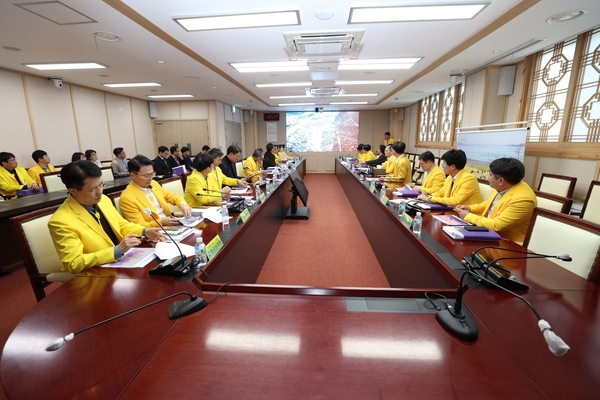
(322,131)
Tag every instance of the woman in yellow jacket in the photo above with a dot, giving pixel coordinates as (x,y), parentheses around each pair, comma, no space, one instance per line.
(199,189)
(218,175)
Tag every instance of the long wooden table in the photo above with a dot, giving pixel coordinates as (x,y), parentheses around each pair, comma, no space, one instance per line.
(272,342)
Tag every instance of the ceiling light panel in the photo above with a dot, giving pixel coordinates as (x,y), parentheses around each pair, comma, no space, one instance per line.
(280,66)
(349,102)
(169,96)
(379,64)
(58,66)
(370,82)
(457,11)
(132,84)
(258,20)
(285,84)
(300,96)
(295,104)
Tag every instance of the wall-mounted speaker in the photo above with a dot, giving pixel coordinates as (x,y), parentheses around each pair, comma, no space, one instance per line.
(506,83)
(153,108)
(246,116)
(401,112)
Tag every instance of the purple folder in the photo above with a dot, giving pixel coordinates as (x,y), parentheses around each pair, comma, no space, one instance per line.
(460,233)
(432,206)
(407,193)
(28,192)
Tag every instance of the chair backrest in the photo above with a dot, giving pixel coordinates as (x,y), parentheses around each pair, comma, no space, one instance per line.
(36,247)
(115,197)
(553,203)
(106,163)
(239,168)
(51,182)
(484,188)
(550,232)
(591,207)
(559,185)
(107,174)
(174,185)
(57,168)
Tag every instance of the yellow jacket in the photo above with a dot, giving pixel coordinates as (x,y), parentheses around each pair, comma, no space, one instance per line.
(402,171)
(390,165)
(370,156)
(434,180)
(196,184)
(362,157)
(511,214)
(35,171)
(79,239)
(277,159)
(251,167)
(465,190)
(8,183)
(133,201)
(390,141)
(219,177)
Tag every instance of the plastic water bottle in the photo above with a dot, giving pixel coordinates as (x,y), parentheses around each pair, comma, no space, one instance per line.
(225,215)
(200,252)
(269,188)
(257,192)
(417,223)
(382,191)
(401,207)
(361,177)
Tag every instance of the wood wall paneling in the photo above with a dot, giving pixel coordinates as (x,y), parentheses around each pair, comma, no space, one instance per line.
(120,123)
(142,127)
(92,123)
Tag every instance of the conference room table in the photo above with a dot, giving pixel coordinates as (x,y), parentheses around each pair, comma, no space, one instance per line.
(270,341)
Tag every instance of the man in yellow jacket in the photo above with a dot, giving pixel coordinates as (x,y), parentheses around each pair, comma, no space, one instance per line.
(509,208)
(199,189)
(252,166)
(142,192)
(42,165)
(388,139)
(86,229)
(402,174)
(13,177)
(435,178)
(460,187)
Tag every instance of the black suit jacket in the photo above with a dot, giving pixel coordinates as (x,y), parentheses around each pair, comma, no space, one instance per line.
(228,168)
(161,167)
(173,163)
(187,161)
(269,160)
(379,160)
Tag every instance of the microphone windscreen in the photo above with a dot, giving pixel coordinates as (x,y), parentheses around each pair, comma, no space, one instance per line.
(564,257)
(556,345)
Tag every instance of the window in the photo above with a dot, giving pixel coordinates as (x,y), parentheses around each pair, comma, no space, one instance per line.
(439,115)
(564,104)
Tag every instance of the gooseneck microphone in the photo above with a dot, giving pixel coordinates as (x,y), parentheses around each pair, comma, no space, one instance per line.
(175,266)
(461,324)
(177,309)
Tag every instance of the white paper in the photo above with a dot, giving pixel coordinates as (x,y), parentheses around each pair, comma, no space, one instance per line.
(213,215)
(167,250)
(191,222)
(239,191)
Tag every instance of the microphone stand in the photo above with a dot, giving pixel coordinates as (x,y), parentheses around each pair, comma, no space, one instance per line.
(177,309)
(172,268)
(460,323)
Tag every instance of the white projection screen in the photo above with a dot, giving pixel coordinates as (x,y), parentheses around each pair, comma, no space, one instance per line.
(322,131)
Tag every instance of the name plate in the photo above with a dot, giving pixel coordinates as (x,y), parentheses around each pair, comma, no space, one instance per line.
(372,187)
(406,220)
(262,197)
(213,247)
(244,215)
(384,199)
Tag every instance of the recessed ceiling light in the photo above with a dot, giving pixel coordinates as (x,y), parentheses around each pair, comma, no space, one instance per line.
(278,66)
(349,102)
(160,62)
(131,84)
(386,63)
(287,84)
(57,66)
(497,51)
(295,104)
(325,15)
(169,96)
(417,91)
(462,9)
(107,36)
(566,16)
(368,82)
(258,20)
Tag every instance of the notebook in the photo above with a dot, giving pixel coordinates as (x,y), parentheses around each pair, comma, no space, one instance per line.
(460,233)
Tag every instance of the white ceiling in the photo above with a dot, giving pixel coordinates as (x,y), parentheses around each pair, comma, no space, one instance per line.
(198,62)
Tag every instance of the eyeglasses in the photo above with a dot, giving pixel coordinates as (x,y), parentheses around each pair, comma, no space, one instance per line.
(94,189)
(146,176)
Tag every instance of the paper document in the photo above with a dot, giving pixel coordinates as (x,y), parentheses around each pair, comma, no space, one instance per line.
(168,250)
(451,220)
(137,257)
(213,215)
(191,222)
(236,192)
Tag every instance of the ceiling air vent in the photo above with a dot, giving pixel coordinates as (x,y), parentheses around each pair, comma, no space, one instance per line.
(323,91)
(318,44)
